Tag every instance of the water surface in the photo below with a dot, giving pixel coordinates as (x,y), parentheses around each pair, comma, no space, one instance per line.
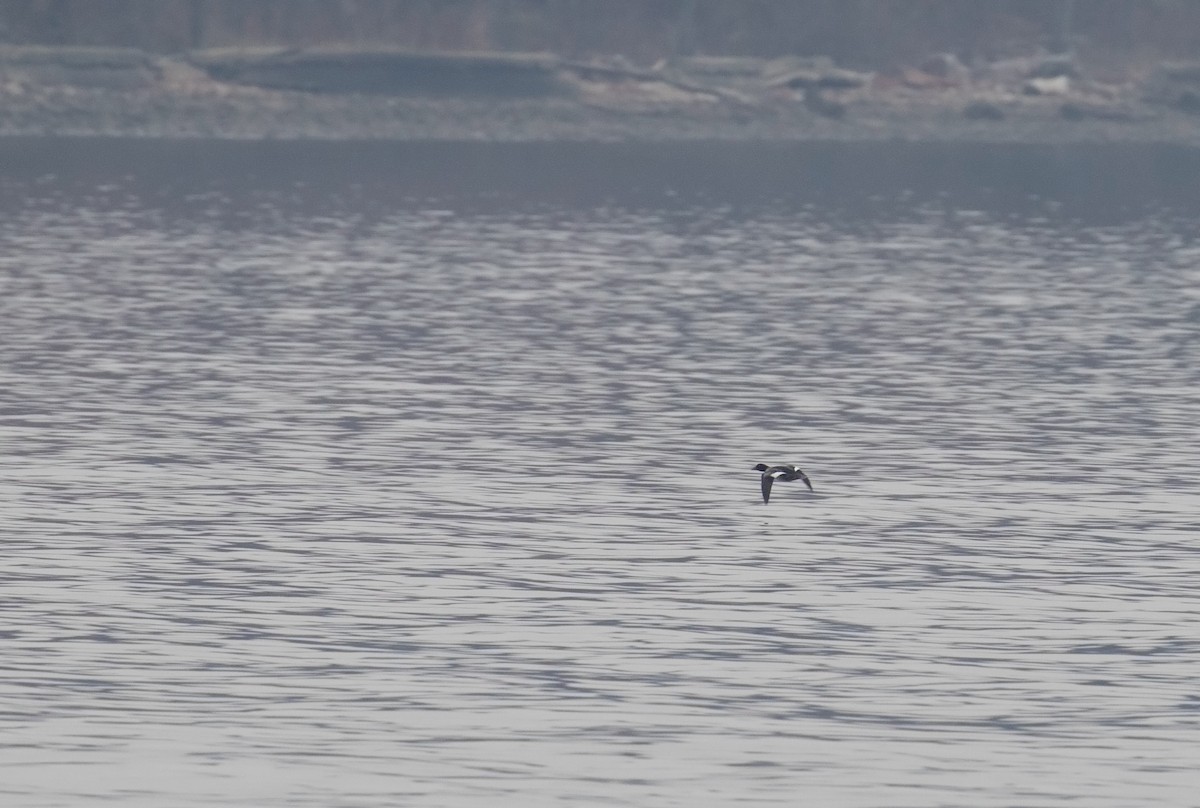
(365,475)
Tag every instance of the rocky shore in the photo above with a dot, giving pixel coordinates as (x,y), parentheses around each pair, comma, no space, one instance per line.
(337,94)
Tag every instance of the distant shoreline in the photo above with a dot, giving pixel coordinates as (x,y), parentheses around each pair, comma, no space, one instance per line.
(277,95)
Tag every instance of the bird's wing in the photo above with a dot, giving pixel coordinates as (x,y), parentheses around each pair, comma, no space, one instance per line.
(767,480)
(804,477)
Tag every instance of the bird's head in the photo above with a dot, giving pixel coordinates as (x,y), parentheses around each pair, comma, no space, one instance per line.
(761,467)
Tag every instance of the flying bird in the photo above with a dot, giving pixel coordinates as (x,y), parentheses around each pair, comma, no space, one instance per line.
(783,473)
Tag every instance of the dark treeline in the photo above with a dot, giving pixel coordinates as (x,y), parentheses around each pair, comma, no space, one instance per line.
(866,33)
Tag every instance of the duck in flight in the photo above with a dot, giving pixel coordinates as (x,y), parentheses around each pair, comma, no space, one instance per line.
(782,473)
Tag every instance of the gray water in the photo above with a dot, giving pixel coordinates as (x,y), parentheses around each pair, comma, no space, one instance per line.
(421,475)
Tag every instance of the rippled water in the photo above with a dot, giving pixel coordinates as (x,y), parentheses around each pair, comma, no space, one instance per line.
(383,475)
